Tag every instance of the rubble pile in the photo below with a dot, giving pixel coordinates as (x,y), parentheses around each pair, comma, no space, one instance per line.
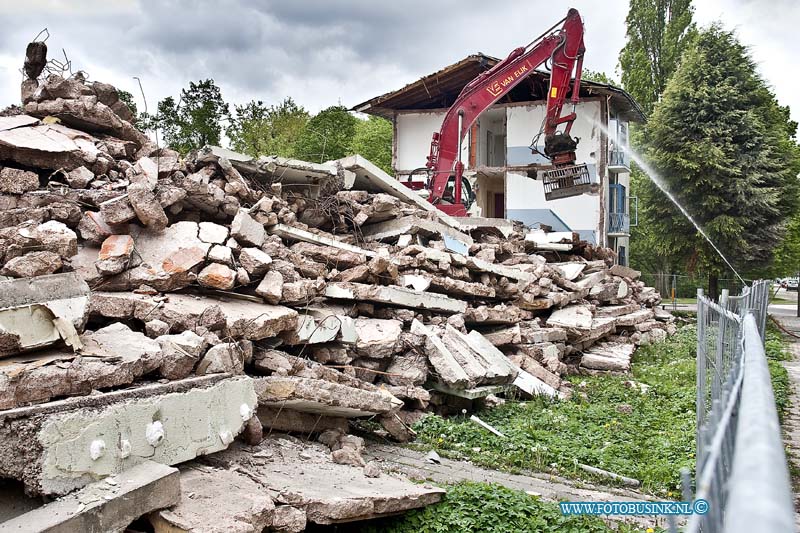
(156,307)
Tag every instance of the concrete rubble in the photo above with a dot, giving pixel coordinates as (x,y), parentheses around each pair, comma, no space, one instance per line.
(163,312)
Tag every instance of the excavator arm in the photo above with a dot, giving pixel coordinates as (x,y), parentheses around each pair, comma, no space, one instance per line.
(564,48)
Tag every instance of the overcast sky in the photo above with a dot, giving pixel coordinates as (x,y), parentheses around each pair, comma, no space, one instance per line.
(322,52)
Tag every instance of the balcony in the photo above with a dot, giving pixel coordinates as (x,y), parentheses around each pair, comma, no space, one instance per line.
(619,224)
(618,161)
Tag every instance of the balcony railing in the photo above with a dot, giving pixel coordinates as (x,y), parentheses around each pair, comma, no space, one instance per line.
(618,160)
(619,223)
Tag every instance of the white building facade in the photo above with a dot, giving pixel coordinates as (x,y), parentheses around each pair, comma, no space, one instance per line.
(500,163)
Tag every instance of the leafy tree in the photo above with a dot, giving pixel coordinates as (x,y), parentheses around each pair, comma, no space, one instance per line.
(256,129)
(373,140)
(193,122)
(328,135)
(724,148)
(597,76)
(657,33)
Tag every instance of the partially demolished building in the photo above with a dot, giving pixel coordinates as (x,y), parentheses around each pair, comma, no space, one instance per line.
(175,330)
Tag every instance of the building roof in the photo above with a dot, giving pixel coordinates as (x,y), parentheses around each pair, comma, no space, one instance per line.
(440,90)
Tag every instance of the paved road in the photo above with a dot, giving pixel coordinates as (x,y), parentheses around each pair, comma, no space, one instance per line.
(788,309)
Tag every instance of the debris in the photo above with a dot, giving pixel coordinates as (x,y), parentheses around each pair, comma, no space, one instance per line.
(231,294)
(108,504)
(627,481)
(486,426)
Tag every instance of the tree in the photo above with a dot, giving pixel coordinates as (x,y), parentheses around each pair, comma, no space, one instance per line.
(259,130)
(193,122)
(657,33)
(596,76)
(724,148)
(373,140)
(328,135)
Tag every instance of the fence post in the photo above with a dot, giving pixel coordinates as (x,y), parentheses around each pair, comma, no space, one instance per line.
(719,362)
(701,379)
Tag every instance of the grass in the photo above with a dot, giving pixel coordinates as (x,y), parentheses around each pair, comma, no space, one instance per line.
(651,443)
(489,508)
(648,436)
(777,350)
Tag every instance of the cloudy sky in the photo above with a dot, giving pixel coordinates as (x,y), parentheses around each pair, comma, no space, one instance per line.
(322,52)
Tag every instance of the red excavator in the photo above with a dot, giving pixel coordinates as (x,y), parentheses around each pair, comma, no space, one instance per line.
(564,49)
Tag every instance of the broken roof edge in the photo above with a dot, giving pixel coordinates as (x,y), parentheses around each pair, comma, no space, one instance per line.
(374,105)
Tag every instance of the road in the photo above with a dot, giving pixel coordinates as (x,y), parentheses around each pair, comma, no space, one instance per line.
(781,309)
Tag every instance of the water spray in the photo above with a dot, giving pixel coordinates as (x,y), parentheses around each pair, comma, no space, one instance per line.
(656,179)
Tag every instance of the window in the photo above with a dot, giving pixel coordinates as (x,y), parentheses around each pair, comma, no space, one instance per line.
(622,257)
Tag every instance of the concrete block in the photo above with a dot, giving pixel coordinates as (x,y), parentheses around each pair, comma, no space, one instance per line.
(323,397)
(296,234)
(40,311)
(57,447)
(398,296)
(216,500)
(110,504)
(369,177)
(446,365)
(412,225)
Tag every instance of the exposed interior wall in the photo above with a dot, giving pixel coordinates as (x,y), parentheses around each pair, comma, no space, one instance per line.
(487,190)
(525,199)
(413,139)
(491,142)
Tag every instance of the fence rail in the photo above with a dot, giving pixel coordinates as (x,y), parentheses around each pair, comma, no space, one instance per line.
(741,467)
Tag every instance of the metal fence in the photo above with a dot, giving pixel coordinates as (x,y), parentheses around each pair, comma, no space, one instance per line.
(741,465)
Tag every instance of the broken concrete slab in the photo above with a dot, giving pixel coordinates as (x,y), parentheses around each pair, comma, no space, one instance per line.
(398,296)
(296,234)
(571,270)
(369,177)
(311,331)
(377,338)
(323,397)
(254,261)
(179,353)
(515,273)
(38,312)
(445,364)
(56,447)
(216,500)
(616,310)
(573,316)
(217,276)
(212,233)
(501,226)
(625,272)
(296,172)
(110,504)
(608,356)
(115,254)
(147,207)
(46,146)
(304,476)
(17,181)
(246,230)
(237,318)
(496,315)
(285,419)
(33,264)
(637,317)
(498,367)
(412,225)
